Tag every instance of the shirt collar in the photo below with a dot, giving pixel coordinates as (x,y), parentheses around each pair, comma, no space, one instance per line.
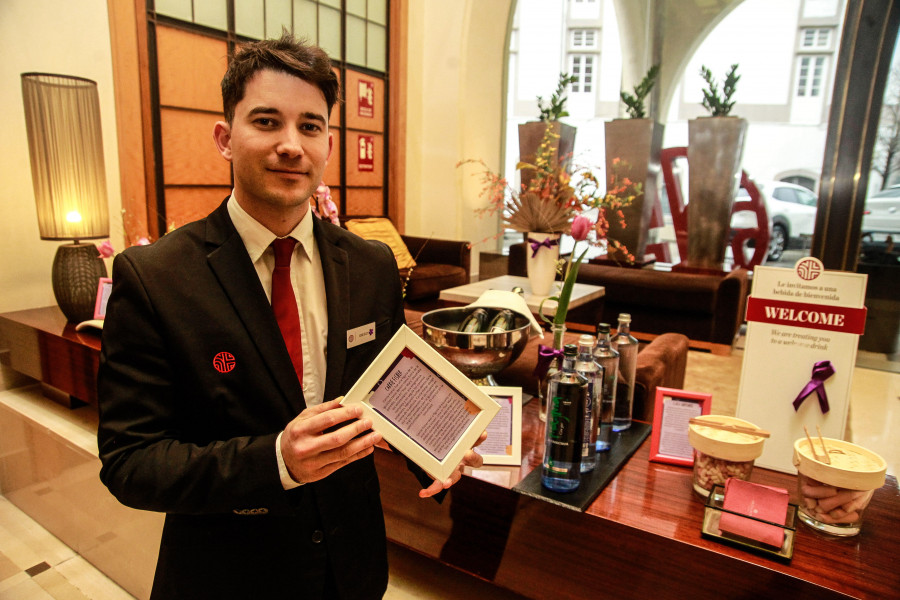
(257,238)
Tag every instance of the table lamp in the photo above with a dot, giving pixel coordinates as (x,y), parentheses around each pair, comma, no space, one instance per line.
(62,117)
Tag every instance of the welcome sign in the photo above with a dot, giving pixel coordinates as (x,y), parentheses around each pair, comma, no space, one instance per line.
(803,328)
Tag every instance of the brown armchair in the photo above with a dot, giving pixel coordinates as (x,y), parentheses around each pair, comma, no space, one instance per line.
(439,264)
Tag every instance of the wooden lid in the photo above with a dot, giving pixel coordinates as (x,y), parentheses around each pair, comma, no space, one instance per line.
(726,445)
(852,467)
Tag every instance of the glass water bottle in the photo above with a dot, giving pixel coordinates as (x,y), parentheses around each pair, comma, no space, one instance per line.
(586,366)
(627,347)
(475,322)
(504,321)
(566,394)
(607,358)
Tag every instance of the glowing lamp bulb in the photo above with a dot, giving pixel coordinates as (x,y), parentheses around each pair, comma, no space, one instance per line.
(73,217)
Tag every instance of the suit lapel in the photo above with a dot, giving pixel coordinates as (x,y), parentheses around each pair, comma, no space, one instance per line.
(231,264)
(336,269)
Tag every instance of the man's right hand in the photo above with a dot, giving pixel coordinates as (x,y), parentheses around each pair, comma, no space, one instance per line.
(311,452)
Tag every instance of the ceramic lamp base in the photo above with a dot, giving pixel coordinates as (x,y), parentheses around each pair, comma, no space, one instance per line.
(77,269)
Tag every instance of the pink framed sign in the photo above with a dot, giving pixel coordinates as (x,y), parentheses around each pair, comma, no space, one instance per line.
(672,413)
(103,290)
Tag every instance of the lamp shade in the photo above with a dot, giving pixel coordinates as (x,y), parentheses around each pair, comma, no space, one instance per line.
(62,117)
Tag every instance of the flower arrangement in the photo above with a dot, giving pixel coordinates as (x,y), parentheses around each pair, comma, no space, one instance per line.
(546,203)
(557,200)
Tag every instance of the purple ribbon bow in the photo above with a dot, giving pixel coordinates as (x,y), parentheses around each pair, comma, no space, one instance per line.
(546,243)
(546,354)
(822,370)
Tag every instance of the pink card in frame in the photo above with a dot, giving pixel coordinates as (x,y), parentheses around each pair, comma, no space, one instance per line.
(103,290)
(672,413)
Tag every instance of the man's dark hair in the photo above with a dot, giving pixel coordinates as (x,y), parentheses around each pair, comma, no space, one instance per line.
(288,55)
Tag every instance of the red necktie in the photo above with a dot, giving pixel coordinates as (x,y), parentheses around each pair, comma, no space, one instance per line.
(284,302)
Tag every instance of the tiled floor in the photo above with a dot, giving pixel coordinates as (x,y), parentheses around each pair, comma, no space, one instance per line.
(34,565)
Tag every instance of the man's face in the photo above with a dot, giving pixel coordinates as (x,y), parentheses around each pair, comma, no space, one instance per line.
(278,144)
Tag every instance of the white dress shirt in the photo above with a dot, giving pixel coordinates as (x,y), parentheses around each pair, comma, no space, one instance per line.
(308,282)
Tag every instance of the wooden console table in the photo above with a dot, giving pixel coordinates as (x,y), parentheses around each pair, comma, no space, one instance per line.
(42,344)
(639,539)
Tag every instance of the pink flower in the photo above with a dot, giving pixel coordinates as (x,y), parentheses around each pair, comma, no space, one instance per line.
(106,249)
(581,226)
(143,242)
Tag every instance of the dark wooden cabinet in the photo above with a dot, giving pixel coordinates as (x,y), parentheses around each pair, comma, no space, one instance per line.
(40,343)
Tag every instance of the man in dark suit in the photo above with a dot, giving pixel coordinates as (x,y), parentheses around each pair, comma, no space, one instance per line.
(269,484)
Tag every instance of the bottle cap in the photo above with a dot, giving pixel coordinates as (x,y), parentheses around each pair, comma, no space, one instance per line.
(586,340)
(570,350)
(624,318)
(603,327)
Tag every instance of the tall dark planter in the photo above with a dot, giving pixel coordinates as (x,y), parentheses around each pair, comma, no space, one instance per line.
(715,150)
(530,136)
(636,143)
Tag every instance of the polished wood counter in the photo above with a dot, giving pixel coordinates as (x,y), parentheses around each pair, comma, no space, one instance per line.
(639,539)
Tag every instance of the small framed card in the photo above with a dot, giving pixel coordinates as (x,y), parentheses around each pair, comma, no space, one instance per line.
(503,445)
(673,411)
(421,404)
(103,290)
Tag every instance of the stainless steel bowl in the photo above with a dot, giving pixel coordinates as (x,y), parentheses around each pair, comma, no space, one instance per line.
(478,355)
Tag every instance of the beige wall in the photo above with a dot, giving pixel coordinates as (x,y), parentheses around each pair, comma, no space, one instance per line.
(70,38)
(454,112)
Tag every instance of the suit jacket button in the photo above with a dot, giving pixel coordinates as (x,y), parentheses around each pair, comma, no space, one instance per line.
(317,536)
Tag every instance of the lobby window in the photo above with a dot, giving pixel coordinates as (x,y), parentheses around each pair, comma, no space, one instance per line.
(582,67)
(209,13)
(810,73)
(584,39)
(815,38)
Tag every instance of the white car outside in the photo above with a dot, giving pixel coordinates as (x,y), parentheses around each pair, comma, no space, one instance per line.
(881,215)
(792,212)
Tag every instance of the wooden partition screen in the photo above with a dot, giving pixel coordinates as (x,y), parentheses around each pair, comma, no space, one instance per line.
(195,177)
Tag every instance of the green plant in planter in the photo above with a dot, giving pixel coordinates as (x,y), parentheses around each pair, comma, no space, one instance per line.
(634,104)
(557,107)
(716,105)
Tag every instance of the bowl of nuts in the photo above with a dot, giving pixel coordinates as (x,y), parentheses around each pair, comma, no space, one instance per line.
(724,448)
(836,481)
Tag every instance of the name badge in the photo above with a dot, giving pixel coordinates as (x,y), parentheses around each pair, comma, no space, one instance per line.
(361,335)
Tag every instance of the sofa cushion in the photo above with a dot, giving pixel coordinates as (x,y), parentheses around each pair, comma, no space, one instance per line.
(676,292)
(426,280)
(381,229)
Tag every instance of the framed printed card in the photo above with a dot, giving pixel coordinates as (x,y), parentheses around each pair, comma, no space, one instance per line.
(421,404)
(671,418)
(503,445)
(103,290)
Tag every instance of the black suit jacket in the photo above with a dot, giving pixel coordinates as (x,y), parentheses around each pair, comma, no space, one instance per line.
(194,385)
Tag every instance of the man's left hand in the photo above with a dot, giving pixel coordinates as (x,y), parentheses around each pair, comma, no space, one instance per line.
(470,459)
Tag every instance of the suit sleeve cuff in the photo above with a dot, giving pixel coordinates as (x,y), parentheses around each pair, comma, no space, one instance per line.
(287,482)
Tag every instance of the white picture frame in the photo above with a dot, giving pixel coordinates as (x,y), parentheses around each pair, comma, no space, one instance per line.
(507,425)
(406,371)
